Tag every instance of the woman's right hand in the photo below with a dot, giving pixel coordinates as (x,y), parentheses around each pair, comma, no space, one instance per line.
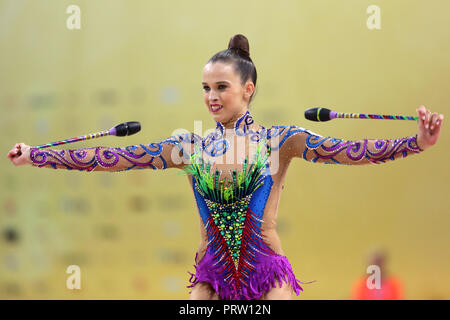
(20,154)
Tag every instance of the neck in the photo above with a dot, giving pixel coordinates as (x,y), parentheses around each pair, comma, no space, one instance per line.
(242,123)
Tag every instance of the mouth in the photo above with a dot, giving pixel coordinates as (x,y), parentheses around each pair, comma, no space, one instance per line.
(216,107)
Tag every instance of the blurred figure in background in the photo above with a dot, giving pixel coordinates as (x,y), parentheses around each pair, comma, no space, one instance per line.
(389,288)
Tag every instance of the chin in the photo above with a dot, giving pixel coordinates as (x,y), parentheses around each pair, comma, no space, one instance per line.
(218,118)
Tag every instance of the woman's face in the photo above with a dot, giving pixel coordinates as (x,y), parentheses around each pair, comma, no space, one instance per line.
(223,93)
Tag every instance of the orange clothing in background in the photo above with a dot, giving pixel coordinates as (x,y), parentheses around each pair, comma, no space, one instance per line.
(391,289)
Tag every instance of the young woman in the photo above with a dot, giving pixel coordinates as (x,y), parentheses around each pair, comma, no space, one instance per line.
(236,173)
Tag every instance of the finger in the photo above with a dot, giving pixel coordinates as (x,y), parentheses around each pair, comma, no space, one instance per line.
(437,129)
(433,120)
(422,114)
(21,146)
(439,120)
(423,110)
(427,119)
(419,115)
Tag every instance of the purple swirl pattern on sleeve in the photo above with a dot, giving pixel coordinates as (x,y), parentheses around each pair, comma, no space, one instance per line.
(153,155)
(375,151)
(88,159)
(315,148)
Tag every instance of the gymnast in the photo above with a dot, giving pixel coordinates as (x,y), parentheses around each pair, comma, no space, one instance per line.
(236,173)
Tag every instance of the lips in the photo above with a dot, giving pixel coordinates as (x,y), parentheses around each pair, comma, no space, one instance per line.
(216,107)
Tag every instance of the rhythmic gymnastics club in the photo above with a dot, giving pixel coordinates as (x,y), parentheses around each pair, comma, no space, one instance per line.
(324,114)
(121,130)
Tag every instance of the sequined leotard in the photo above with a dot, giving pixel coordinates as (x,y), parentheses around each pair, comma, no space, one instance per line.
(236,176)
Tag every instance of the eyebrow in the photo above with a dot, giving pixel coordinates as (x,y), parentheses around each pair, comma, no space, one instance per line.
(217,82)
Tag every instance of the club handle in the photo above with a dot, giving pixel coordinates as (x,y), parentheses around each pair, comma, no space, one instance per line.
(323,114)
(80,138)
(343,115)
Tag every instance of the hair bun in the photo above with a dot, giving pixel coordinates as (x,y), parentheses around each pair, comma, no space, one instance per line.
(239,42)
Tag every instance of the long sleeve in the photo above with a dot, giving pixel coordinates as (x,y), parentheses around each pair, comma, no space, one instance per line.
(172,152)
(298,142)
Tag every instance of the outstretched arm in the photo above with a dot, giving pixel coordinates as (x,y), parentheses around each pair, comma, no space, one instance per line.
(172,152)
(295,141)
(302,143)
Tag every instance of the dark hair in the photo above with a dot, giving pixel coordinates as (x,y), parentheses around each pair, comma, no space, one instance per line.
(238,53)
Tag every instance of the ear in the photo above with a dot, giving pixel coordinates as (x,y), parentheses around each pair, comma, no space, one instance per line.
(249,89)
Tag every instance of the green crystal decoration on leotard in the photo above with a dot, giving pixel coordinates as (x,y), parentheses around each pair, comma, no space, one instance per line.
(229,219)
(228,200)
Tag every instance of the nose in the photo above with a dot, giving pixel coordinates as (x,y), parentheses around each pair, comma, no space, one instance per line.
(213,95)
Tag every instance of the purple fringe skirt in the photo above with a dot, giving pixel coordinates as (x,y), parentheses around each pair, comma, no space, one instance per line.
(269,269)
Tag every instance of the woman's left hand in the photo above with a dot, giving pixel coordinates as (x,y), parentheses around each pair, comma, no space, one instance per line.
(429,127)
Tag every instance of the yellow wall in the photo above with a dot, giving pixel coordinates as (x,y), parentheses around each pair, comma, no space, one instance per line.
(134,234)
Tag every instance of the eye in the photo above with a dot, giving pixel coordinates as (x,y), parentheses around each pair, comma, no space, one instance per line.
(221,86)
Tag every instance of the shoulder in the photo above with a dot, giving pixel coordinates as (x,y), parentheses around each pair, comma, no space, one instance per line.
(182,141)
(183,137)
(286,130)
(280,134)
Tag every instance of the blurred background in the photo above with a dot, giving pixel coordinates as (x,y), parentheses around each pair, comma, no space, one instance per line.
(134,234)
